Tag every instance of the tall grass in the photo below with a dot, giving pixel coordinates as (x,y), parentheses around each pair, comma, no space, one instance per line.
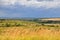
(25,30)
(22,33)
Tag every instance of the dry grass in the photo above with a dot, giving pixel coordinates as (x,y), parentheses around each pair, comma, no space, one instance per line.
(22,33)
(53,19)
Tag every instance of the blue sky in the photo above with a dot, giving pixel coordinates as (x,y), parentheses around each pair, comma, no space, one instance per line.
(30,8)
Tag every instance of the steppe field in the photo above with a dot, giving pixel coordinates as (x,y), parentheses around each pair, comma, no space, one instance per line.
(29,29)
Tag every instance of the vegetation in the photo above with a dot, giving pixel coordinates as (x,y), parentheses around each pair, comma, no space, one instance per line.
(34,29)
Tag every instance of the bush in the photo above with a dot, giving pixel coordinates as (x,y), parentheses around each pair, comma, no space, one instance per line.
(42,24)
(8,25)
(17,24)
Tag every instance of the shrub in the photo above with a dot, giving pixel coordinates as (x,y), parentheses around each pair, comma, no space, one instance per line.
(42,24)
(8,25)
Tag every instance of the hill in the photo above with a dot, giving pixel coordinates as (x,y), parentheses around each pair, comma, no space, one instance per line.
(48,20)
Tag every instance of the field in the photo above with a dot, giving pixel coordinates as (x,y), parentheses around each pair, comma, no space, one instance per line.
(28,30)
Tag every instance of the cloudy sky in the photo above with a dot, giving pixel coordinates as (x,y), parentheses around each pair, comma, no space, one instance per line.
(29,8)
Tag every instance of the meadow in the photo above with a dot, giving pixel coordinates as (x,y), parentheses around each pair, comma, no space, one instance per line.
(28,30)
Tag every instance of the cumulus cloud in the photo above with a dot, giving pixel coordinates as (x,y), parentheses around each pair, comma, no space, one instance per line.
(31,3)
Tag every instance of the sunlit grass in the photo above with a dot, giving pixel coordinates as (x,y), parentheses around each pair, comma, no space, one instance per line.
(22,33)
(28,31)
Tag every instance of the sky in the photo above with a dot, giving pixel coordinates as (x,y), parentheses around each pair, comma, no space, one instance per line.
(30,8)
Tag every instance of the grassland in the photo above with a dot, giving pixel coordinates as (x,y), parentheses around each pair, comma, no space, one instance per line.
(28,30)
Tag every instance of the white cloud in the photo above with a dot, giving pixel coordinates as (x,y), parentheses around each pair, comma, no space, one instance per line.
(32,3)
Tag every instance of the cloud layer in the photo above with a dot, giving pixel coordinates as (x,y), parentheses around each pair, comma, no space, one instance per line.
(31,3)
